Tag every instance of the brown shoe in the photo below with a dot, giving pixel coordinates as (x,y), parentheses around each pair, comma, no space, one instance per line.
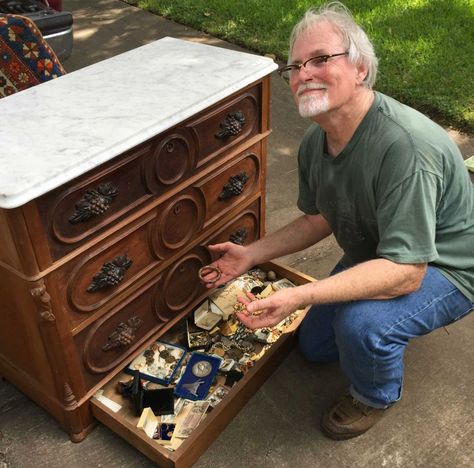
(349,418)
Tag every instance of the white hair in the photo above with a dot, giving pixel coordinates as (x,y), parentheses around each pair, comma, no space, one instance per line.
(354,39)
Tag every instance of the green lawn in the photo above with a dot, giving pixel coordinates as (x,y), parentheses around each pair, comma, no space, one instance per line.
(425,47)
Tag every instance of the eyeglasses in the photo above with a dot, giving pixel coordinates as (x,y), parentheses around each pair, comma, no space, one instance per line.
(311,65)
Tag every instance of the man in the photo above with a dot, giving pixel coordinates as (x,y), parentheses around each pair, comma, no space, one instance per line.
(393,189)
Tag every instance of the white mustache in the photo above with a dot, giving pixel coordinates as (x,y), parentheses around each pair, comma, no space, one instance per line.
(302,88)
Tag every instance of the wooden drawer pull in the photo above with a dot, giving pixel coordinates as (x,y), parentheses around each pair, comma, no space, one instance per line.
(124,334)
(110,274)
(231,126)
(235,186)
(94,203)
(239,236)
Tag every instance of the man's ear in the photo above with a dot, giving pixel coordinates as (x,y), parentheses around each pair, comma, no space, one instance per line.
(362,72)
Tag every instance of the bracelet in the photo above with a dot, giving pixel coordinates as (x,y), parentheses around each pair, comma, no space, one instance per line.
(208,269)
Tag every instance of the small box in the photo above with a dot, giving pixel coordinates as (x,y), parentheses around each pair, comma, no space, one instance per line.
(158,363)
(205,317)
(164,433)
(153,428)
(197,338)
(198,376)
(148,422)
(160,400)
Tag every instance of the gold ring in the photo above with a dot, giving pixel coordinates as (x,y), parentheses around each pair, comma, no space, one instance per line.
(208,269)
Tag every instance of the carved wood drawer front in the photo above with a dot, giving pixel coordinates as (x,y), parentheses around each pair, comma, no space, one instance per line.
(227,124)
(230,186)
(106,271)
(241,230)
(172,160)
(110,340)
(71,215)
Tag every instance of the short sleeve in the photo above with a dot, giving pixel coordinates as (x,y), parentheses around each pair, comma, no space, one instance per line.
(406,219)
(307,193)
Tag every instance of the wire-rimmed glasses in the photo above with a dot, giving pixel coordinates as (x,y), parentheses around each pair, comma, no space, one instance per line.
(311,65)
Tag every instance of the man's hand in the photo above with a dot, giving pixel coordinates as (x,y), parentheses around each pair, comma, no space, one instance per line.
(304,231)
(234,260)
(270,311)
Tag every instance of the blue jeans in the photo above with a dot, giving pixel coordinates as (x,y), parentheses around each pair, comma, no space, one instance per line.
(369,337)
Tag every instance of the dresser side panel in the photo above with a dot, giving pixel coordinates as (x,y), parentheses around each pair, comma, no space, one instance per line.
(16,251)
(21,345)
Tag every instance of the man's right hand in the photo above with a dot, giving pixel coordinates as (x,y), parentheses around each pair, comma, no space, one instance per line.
(233,261)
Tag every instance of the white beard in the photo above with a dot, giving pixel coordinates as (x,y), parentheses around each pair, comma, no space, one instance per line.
(311,106)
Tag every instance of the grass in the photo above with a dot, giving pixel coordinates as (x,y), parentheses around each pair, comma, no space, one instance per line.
(425,47)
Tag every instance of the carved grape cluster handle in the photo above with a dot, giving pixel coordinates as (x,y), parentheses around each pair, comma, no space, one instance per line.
(94,203)
(124,334)
(111,273)
(239,236)
(234,186)
(231,126)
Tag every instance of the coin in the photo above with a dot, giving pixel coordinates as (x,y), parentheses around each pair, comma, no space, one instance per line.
(201,368)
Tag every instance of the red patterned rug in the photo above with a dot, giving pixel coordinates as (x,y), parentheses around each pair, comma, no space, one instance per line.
(25,57)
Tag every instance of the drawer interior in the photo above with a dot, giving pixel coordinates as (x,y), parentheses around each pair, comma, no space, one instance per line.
(123,421)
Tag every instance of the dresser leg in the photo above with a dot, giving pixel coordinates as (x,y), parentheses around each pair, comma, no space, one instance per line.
(80,436)
(78,420)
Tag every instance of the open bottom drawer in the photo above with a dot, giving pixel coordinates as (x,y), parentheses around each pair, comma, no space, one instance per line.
(124,422)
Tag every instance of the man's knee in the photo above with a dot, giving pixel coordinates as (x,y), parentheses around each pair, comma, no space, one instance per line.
(356,328)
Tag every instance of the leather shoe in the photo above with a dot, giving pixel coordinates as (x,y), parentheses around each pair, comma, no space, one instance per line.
(349,418)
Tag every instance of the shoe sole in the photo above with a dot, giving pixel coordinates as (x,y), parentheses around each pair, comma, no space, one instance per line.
(337,436)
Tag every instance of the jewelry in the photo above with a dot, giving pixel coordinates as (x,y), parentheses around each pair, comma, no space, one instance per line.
(217,350)
(242,333)
(209,269)
(202,368)
(245,346)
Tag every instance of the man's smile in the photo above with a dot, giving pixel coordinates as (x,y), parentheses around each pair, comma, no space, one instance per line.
(310,88)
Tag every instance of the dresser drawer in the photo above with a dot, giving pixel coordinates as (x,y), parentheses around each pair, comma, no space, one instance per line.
(124,422)
(71,215)
(241,229)
(225,126)
(158,168)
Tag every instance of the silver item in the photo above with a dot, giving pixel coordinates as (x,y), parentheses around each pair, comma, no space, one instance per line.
(201,368)
(192,388)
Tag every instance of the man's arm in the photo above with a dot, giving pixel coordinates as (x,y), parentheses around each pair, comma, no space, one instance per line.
(301,233)
(297,235)
(374,279)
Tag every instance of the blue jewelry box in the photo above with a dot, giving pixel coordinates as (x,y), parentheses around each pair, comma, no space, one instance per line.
(198,376)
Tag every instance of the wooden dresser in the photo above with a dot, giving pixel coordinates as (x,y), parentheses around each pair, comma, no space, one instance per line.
(114,179)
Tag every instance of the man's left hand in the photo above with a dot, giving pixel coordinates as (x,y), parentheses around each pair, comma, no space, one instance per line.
(267,312)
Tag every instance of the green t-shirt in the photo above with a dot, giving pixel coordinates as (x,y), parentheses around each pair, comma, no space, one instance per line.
(399,190)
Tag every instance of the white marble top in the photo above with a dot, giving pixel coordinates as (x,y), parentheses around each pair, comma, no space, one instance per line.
(58,130)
